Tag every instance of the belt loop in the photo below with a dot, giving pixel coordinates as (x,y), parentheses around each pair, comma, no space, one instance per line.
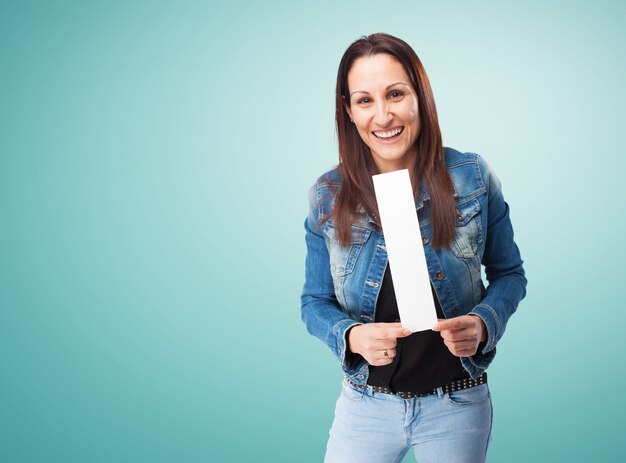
(440,392)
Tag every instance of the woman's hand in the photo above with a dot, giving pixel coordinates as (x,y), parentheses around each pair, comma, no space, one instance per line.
(462,334)
(376,342)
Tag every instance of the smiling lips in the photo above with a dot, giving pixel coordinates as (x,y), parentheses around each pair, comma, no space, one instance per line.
(390,134)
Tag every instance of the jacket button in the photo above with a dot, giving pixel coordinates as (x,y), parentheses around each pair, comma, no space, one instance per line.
(439,275)
(459,216)
(425,239)
(454,312)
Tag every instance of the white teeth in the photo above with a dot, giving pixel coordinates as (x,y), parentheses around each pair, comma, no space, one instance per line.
(390,134)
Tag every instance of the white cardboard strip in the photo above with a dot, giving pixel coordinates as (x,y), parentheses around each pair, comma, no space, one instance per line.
(405,250)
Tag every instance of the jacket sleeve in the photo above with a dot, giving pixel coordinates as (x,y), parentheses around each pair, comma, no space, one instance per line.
(320,309)
(503,268)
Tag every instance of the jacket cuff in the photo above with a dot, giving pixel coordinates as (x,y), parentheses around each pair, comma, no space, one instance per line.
(492,324)
(341,330)
(483,357)
(352,360)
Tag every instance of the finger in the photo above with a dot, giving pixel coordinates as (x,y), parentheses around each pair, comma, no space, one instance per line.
(466,334)
(394,332)
(390,343)
(392,324)
(463,352)
(453,335)
(464,346)
(379,345)
(457,323)
(452,324)
(462,349)
(374,345)
(460,344)
(382,354)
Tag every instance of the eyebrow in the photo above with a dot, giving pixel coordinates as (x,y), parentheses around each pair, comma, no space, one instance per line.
(386,88)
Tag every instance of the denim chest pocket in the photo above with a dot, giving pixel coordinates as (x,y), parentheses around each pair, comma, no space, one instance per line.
(468,230)
(343,258)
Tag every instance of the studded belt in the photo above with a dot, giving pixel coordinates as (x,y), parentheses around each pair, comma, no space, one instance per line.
(457,385)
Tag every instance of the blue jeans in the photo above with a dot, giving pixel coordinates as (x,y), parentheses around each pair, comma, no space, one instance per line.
(381,428)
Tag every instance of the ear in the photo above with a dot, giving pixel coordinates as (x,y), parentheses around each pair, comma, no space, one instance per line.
(349,111)
(347,108)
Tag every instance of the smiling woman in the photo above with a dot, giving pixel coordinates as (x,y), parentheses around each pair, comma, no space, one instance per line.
(386,115)
(382,88)
(425,391)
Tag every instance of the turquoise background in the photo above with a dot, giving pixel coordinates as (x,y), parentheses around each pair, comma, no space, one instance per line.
(154,163)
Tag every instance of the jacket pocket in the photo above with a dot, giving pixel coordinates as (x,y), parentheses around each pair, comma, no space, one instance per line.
(468,230)
(343,258)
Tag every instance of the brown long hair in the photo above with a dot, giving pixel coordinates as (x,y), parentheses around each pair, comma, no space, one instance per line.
(355,160)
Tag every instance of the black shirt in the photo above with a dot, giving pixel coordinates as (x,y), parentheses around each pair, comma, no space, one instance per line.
(422,362)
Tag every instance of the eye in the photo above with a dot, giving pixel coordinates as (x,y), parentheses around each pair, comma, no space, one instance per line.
(395,95)
(364,100)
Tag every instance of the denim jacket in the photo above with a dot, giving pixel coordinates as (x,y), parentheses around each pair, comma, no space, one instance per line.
(342,282)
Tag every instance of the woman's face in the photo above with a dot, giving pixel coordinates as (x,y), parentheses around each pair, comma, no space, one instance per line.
(385,110)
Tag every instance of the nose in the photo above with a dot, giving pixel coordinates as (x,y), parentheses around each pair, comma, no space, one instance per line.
(382,115)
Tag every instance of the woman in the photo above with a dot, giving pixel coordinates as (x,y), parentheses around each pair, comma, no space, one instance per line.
(426,390)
